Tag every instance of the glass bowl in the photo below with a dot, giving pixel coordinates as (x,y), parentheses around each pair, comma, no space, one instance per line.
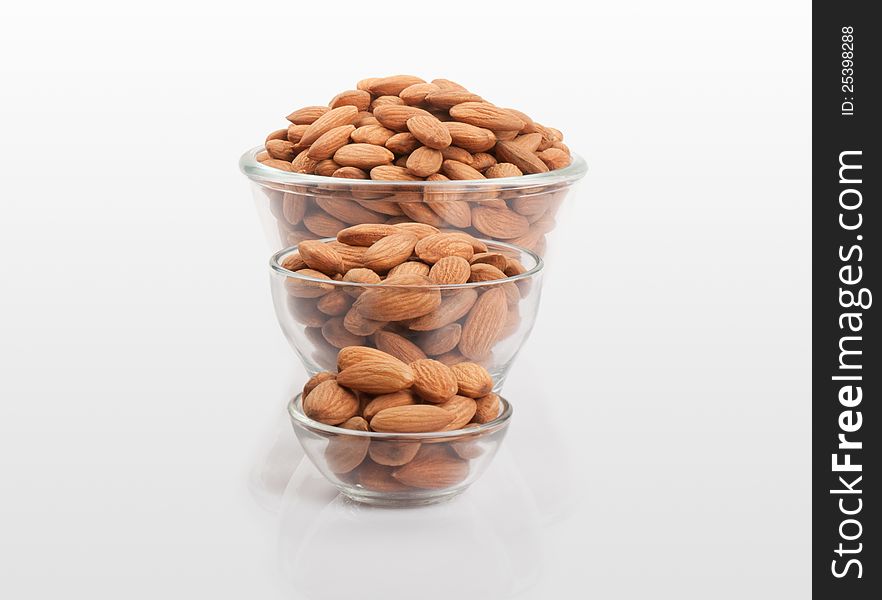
(418,468)
(520,210)
(321,316)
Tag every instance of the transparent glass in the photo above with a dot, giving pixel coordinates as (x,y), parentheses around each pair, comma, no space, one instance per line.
(321,316)
(520,210)
(426,467)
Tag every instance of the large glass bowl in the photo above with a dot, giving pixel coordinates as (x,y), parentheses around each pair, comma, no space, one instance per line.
(519,210)
(434,466)
(321,316)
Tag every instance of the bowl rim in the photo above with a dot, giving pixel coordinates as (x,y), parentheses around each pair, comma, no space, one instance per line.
(275,264)
(258,172)
(298,417)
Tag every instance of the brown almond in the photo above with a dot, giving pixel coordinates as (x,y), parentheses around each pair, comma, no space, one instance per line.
(554,158)
(294,208)
(483,114)
(361,275)
(446,84)
(502,169)
(307,115)
(336,117)
(279,134)
(281,150)
(472,379)
(420,212)
(441,340)
(491,258)
(315,380)
(484,272)
(338,336)
(458,154)
(487,408)
(453,307)
(376,375)
(460,171)
(365,234)
(424,161)
(392,173)
(434,467)
(393,454)
(335,304)
(350,173)
(450,270)
(303,164)
(345,452)
(429,130)
(304,311)
(320,256)
(433,248)
(388,302)
(395,116)
(360,99)
(447,99)
(455,212)
(499,223)
(398,346)
(416,93)
(330,403)
(348,357)
(413,267)
(308,288)
(529,141)
(352,255)
(262,156)
(421,230)
(392,86)
(383,401)
(329,142)
(363,156)
(385,101)
(433,381)
(470,137)
(482,161)
(389,251)
(483,325)
(419,418)
(523,159)
(402,143)
(295,133)
(348,211)
(378,478)
(371,134)
(463,407)
(278,164)
(355,323)
(326,168)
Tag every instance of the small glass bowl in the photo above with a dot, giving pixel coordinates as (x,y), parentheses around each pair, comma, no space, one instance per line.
(520,210)
(319,316)
(416,469)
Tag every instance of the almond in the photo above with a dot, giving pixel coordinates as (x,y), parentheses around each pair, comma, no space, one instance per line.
(402,143)
(303,164)
(360,275)
(446,84)
(338,336)
(389,251)
(416,93)
(363,156)
(263,156)
(457,170)
(472,379)
(482,161)
(398,346)
(350,173)
(386,101)
(433,248)
(483,325)
(279,134)
(523,159)
(329,142)
(463,408)
(365,234)
(352,256)
(355,323)
(458,154)
(468,447)
(499,223)
(307,115)
(451,270)
(372,134)
(348,357)
(447,99)
(491,258)
(278,164)
(326,168)
(321,257)
(395,116)
(360,99)
(421,230)
(304,311)
(529,142)
(345,452)
(281,150)
(348,211)
(377,375)
(555,158)
(411,267)
(393,454)
(424,161)
(392,173)
(393,85)
(441,340)
(343,115)
(295,133)
(484,114)
(484,272)
(429,130)
(334,304)
(453,307)
(293,262)
(433,381)
(294,208)
(378,478)
(389,302)
(383,401)
(421,213)
(315,380)
(434,467)
(487,408)
(470,137)
(419,418)
(313,287)
(451,358)
(330,403)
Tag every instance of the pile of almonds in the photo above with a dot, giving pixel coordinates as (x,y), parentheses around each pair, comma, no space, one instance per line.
(374,391)
(395,304)
(402,128)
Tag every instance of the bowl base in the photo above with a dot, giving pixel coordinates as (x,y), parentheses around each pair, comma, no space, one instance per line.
(374,499)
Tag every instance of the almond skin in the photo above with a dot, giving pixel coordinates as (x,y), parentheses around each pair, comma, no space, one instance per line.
(393,454)
(434,467)
(416,94)
(393,85)
(392,173)
(398,346)
(343,115)
(320,256)
(491,258)
(315,380)
(360,99)
(487,408)
(483,114)
(372,134)
(451,270)
(330,403)
(348,211)
(424,161)
(389,303)
(452,308)
(355,323)
(281,149)
(348,357)
(554,158)
(307,115)
(523,159)
(349,173)
(499,223)
(441,340)
(433,248)
(389,251)
(483,325)
(421,230)
(447,99)
(472,379)
(429,130)
(365,234)
(433,381)
(402,143)
(345,452)
(412,267)
(302,288)
(334,304)
(463,407)
(363,156)
(395,117)
(329,142)
(383,401)
(460,171)
(484,272)
(374,375)
(378,478)
(338,336)
(419,418)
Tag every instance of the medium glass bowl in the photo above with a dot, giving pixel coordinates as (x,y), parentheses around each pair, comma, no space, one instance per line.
(433,466)
(319,316)
(520,210)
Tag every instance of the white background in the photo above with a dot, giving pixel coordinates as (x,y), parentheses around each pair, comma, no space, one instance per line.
(661,438)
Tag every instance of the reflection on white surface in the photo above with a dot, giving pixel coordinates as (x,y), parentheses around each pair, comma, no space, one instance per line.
(483,544)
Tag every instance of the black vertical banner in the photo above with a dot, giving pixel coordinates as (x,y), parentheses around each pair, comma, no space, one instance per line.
(846,337)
